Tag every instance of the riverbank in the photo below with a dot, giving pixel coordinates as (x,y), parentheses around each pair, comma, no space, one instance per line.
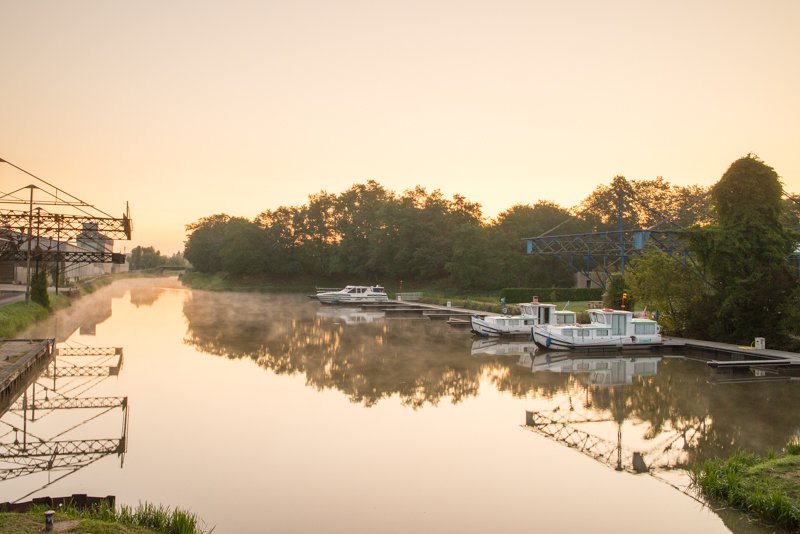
(19,315)
(143,519)
(765,487)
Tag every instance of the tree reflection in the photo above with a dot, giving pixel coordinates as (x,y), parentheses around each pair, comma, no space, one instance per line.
(422,362)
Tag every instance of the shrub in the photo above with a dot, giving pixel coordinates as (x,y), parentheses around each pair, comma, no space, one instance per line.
(553,294)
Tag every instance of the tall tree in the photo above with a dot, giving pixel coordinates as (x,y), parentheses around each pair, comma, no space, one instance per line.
(745,252)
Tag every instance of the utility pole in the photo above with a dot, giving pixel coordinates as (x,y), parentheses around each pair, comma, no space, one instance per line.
(30,238)
(620,206)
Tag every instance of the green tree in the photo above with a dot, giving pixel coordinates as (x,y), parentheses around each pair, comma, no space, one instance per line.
(745,255)
(39,289)
(205,241)
(145,258)
(662,283)
(616,287)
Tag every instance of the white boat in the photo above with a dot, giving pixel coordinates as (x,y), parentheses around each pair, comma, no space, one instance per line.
(606,328)
(514,325)
(354,295)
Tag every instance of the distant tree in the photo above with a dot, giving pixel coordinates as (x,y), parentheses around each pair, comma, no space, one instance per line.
(145,258)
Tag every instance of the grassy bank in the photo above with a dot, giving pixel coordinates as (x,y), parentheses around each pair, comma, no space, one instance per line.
(223,282)
(768,488)
(16,317)
(142,519)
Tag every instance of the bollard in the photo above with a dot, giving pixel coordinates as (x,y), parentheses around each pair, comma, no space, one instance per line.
(449,304)
(48,520)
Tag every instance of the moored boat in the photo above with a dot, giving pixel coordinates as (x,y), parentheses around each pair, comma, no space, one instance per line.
(606,328)
(516,325)
(353,295)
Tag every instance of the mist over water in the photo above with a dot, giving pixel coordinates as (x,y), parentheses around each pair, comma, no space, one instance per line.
(265,412)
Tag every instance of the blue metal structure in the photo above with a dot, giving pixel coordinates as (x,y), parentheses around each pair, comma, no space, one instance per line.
(597,254)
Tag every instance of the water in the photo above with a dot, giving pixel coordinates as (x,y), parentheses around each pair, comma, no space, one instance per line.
(269,413)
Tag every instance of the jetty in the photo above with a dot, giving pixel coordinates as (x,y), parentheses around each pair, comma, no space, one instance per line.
(434,312)
(21,361)
(734,356)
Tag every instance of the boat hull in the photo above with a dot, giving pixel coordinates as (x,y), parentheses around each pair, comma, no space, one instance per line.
(552,339)
(490,327)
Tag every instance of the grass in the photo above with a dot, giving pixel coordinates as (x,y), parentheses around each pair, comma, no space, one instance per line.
(768,488)
(142,519)
(223,282)
(17,316)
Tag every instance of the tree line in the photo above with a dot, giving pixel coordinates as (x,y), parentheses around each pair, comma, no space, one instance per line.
(736,279)
(373,235)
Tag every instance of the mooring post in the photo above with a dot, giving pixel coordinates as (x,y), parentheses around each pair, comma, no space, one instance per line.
(529,418)
(48,520)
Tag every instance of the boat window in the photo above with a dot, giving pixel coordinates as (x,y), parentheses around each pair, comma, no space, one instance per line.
(530,321)
(582,366)
(565,318)
(601,366)
(618,324)
(568,333)
(601,332)
(644,328)
(583,333)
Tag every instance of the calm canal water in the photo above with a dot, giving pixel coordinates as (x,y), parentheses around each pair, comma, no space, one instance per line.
(269,413)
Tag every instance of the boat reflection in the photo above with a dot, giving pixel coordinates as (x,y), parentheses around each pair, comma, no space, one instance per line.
(51,430)
(600,371)
(350,315)
(495,346)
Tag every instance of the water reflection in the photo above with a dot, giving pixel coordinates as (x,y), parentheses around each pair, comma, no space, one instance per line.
(601,371)
(48,433)
(668,406)
(350,315)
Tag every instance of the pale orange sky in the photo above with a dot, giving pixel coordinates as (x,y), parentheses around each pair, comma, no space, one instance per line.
(186,109)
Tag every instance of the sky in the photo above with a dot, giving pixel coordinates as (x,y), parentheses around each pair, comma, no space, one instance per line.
(186,109)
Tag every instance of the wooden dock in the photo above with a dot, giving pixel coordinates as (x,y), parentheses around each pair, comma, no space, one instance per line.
(433,312)
(459,318)
(21,361)
(738,353)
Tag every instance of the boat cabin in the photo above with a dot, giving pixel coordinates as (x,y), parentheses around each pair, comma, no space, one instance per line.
(622,323)
(547,313)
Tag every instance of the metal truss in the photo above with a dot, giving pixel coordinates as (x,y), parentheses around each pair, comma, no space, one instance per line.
(60,463)
(62,448)
(84,371)
(30,454)
(34,227)
(53,256)
(608,251)
(60,227)
(88,351)
(72,403)
(663,455)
